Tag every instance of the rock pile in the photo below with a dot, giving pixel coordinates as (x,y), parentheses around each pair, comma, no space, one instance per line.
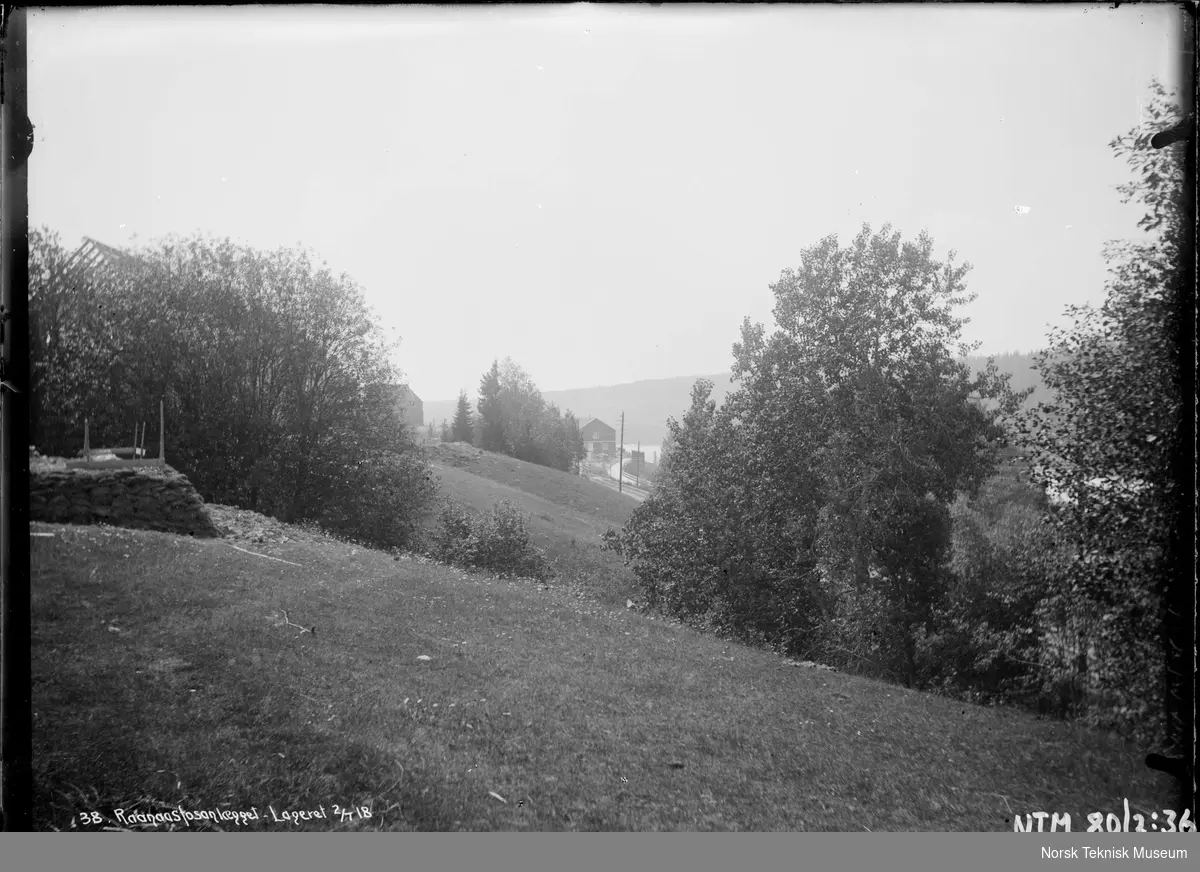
(458,454)
(246,526)
(146,498)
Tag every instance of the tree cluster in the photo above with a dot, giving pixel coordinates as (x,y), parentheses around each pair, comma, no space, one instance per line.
(864,499)
(513,418)
(275,375)
(812,507)
(1107,446)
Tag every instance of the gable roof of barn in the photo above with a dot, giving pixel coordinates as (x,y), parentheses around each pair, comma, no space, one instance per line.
(93,254)
(592,421)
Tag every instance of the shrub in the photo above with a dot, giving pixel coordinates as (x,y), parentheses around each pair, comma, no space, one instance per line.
(380,505)
(858,635)
(497,541)
(1014,628)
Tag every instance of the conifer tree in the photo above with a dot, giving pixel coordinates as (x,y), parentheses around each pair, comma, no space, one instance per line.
(490,421)
(463,426)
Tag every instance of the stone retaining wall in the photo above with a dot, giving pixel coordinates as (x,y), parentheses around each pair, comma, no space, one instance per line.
(142,498)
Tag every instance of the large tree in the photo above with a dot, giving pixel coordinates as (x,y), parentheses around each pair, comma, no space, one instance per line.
(827,475)
(1108,443)
(522,410)
(861,379)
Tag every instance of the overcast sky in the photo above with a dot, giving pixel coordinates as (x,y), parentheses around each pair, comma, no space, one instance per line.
(519,180)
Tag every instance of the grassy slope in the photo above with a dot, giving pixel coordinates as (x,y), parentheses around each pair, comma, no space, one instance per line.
(568,513)
(165,676)
(545,490)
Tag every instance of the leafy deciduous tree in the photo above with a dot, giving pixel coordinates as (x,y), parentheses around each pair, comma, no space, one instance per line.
(828,473)
(1107,443)
(273,371)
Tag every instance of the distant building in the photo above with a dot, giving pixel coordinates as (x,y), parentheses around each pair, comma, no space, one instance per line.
(412,409)
(599,439)
(93,256)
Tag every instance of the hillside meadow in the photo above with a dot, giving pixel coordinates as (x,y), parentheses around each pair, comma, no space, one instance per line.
(567,513)
(284,672)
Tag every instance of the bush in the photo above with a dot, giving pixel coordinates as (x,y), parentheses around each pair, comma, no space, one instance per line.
(380,505)
(858,635)
(497,541)
(1014,628)
(987,634)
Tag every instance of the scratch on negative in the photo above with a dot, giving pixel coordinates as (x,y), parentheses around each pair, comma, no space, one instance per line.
(267,556)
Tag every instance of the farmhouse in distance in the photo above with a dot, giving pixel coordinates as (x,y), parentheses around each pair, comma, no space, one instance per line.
(599,439)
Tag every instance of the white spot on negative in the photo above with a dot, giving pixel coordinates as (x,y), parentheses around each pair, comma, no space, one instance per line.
(1021,210)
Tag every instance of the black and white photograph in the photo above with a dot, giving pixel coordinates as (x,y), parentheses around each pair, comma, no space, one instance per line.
(605,417)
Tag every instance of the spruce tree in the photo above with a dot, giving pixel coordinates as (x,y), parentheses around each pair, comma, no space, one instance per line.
(491,433)
(463,427)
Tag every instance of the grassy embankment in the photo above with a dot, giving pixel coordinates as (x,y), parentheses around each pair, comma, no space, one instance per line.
(165,676)
(567,513)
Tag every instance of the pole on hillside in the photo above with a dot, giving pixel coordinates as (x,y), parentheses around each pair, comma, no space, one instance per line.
(16,681)
(621,456)
(162,440)
(637,465)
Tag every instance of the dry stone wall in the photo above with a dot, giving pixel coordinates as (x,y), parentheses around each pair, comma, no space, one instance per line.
(141,498)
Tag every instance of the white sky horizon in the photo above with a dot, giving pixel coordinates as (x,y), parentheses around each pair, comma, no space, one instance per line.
(508,181)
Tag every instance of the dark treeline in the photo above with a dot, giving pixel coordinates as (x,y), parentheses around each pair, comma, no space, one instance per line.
(865,498)
(512,418)
(279,395)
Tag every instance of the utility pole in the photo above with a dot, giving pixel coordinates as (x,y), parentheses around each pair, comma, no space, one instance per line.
(16,682)
(638,465)
(621,459)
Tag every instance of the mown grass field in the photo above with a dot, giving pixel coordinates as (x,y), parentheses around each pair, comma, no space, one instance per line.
(165,676)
